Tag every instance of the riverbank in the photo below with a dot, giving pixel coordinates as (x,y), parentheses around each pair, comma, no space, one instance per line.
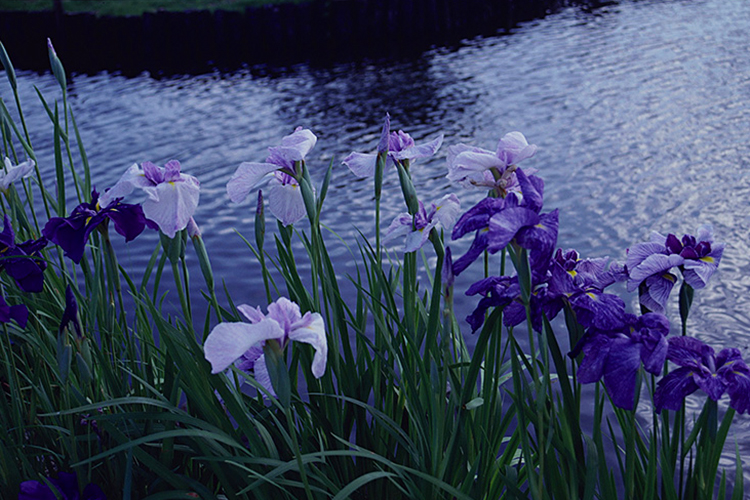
(319,31)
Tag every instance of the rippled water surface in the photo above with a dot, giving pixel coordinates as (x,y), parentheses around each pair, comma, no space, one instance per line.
(640,110)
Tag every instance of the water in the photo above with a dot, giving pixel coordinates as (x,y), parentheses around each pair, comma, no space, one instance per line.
(640,111)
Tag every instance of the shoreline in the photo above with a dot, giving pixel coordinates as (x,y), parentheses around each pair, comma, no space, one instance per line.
(319,32)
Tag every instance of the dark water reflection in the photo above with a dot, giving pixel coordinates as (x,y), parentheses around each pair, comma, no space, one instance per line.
(640,111)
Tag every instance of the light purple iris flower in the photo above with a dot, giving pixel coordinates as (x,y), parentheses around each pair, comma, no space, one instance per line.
(11,173)
(616,355)
(417,227)
(283,164)
(399,146)
(476,167)
(649,265)
(702,368)
(172,195)
(229,342)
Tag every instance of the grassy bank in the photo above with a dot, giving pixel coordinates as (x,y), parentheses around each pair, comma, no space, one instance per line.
(133,7)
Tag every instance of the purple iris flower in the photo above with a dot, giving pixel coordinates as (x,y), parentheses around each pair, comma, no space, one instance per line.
(581,284)
(12,173)
(417,227)
(172,195)
(649,265)
(22,261)
(701,368)
(66,488)
(475,167)
(229,342)
(17,312)
(399,146)
(498,221)
(72,232)
(504,291)
(617,354)
(284,164)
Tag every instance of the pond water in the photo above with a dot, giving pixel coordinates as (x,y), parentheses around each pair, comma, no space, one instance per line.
(640,110)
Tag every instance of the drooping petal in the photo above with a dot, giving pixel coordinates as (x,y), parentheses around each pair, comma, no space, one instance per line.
(672,390)
(420,151)
(13,173)
(132,178)
(311,330)
(129,220)
(401,225)
(653,264)
(478,216)
(175,206)
(478,246)
(260,371)
(286,203)
(228,341)
(620,372)
(245,178)
(447,210)
(698,272)
(504,225)
(417,238)
(361,164)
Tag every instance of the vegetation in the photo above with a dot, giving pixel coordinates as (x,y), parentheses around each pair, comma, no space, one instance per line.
(322,394)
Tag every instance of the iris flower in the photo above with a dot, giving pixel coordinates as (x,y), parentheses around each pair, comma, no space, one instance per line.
(581,283)
(476,167)
(12,173)
(66,488)
(285,164)
(616,355)
(417,227)
(72,232)
(702,368)
(399,146)
(17,312)
(650,264)
(229,342)
(498,221)
(22,261)
(172,195)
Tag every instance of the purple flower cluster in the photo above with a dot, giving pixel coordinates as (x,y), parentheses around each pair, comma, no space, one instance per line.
(616,344)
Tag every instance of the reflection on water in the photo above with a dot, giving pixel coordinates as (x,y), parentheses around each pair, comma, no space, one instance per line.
(640,111)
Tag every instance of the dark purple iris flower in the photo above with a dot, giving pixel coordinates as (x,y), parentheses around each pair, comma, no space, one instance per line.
(504,291)
(701,368)
(649,265)
(72,232)
(66,486)
(499,221)
(18,313)
(581,284)
(22,261)
(617,354)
